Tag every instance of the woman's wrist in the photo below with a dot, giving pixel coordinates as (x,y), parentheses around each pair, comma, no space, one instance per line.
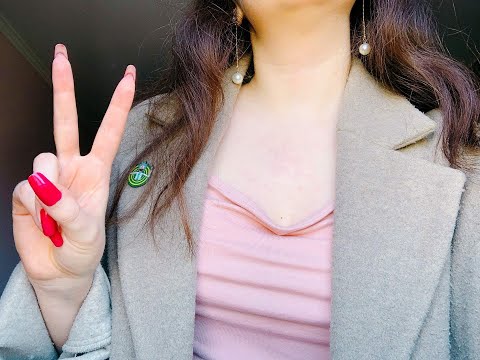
(59,305)
(64,290)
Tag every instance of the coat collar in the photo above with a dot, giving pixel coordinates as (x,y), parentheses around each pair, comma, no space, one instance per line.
(394,221)
(378,115)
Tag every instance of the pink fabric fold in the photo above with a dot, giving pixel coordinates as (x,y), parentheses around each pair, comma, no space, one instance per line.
(263,290)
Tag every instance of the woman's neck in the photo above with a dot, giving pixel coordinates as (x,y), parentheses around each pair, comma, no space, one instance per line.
(301,58)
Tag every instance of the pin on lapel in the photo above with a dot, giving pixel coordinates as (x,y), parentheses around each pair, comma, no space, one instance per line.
(140,174)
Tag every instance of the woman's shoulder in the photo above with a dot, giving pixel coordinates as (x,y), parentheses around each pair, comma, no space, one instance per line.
(429,148)
(138,120)
(471,157)
(141,123)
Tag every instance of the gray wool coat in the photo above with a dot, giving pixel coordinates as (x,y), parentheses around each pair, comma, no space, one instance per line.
(406,251)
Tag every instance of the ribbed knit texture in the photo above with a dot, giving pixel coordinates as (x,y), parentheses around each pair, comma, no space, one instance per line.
(263,290)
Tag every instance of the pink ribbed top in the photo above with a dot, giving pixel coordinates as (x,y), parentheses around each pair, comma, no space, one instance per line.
(263,290)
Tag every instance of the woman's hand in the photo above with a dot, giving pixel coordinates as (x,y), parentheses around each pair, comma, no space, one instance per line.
(68,193)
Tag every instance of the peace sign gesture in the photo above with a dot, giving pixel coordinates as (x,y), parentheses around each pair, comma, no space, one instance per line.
(59,213)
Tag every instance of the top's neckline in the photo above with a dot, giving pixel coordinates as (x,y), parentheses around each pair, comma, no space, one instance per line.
(241,199)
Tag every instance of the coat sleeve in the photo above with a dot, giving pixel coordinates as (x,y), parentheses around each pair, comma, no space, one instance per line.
(465,274)
(24,335)
(465,265)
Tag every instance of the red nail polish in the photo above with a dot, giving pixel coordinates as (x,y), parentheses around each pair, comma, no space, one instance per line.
(44,189)
(49,225)
(57,239)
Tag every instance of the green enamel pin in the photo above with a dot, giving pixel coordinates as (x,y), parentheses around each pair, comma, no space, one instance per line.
(140,174)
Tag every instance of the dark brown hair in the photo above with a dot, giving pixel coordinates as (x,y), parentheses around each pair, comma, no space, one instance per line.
(409,59)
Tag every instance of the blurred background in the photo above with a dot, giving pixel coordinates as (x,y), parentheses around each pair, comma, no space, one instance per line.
(102,38)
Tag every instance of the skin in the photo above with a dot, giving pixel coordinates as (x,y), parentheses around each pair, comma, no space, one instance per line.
(279,148)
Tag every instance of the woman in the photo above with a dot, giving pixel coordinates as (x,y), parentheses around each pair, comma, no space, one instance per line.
(273,114)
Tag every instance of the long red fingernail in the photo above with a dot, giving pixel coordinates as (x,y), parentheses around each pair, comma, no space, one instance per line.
(57,239)
(44,189)
(49,225)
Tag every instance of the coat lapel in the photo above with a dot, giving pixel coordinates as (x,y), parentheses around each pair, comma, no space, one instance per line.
(394,222)
(159,285)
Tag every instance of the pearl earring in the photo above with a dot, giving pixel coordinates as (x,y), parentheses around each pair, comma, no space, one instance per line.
(365,48)
(237,77)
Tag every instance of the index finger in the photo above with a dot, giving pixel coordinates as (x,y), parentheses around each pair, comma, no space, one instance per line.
(65,119)
(109,135)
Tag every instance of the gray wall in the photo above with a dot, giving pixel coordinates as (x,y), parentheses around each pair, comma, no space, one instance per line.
(102,37)
(25,128)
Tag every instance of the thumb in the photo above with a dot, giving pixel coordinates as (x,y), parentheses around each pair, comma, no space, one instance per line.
(58,202)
